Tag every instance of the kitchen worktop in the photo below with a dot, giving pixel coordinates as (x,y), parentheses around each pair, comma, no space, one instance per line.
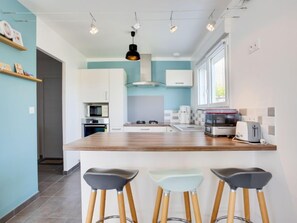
(160,124)
(178,141)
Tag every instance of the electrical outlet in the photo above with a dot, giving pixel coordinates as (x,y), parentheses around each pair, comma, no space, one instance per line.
(31,110)
(254,46)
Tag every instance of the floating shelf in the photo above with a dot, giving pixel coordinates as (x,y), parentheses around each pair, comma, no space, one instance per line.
(20,75)
(12,44)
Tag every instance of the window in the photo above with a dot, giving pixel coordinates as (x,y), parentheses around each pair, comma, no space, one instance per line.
(212,78)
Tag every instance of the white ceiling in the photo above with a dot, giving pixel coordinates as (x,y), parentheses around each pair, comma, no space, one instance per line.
(71,19)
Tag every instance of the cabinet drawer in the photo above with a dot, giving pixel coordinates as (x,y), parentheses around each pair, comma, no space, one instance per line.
(116,129)
(145,129)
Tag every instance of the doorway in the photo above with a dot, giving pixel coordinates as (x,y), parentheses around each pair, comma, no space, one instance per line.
(49,110)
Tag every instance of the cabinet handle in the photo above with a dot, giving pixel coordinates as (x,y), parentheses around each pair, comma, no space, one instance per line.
(179,82)
(116,129)
(144,129)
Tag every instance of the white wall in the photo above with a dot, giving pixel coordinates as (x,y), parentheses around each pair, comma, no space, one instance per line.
(51,43)
(267,78)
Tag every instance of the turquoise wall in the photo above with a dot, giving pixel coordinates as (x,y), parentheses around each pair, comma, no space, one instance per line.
(173,97)
(18,149)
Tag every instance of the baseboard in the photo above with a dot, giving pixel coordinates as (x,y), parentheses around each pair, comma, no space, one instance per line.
(70,170)
(18,209)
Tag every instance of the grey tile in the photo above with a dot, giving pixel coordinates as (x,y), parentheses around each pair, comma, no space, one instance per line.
(271,111)
(271,130)
(46,220)
(29,210)
(18,219)
(260,119)
(243,111)
(73,220)
(51,190)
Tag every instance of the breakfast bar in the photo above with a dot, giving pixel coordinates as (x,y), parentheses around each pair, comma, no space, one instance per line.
(154,151)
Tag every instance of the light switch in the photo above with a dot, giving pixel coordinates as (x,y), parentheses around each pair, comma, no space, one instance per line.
(31,110)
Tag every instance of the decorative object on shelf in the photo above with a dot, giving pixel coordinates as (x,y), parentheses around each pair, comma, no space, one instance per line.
(17,37)
(4,66)
(6,30)
(18,68)
(132,54)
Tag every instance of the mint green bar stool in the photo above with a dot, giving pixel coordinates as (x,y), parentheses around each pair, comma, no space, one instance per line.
(181,180)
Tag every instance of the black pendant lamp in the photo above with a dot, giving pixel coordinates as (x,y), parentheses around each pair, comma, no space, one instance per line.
(132,54)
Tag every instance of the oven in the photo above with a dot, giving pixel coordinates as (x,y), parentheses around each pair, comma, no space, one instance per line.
(91,126)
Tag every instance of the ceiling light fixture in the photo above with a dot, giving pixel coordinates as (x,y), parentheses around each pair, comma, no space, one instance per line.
(137,25)
(211,22)
(132,54)
(93,29)
(173,28)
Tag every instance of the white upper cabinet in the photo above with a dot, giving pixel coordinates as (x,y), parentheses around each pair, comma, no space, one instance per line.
(117,99)
(179,78)
(94,85)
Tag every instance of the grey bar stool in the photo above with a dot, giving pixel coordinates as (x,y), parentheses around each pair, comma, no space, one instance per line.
(110,179)
(250,178)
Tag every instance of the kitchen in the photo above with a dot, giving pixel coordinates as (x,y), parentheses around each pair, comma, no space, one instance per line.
(259,80)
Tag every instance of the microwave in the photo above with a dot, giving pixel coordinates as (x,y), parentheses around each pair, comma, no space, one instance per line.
(96,110)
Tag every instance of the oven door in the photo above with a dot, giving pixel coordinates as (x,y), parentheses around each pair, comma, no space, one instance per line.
(89,129)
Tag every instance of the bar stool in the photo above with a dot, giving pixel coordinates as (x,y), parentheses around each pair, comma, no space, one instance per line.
(250,178)
(177,181)
(109,179)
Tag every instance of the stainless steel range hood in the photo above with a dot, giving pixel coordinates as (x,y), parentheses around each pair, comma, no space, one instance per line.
(146,72)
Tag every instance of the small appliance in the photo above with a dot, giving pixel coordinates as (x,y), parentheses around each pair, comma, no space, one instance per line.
(248,131)
(221,122)
(184,114)
(96,110)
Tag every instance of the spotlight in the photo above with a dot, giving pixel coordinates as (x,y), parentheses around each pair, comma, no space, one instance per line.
(211,25)
(93,28)
(211,22)
(137,25)
(173,28)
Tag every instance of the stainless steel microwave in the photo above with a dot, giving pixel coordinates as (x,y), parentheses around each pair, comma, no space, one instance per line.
(96,110)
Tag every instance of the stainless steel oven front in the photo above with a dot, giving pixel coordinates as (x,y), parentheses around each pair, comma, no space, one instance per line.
(91,126)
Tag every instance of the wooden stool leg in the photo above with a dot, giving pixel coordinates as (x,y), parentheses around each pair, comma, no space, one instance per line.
(196,207)
(121,207)
(157,205)
(91,206)
(131,203)
(217,202)
(246,200)
(102,205)
(263,207)
(231,206)
(165,206)
(187,206)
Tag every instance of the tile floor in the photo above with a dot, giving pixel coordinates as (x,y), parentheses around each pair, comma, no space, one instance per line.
(59,200)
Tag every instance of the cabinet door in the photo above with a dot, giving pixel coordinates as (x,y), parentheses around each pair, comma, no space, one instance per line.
(179,78)
(144,129)
(117,129)
(170,129)
(94,85)
(117,98)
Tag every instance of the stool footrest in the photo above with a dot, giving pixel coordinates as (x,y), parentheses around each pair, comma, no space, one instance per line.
(112,217)
(176,219)
(235,217)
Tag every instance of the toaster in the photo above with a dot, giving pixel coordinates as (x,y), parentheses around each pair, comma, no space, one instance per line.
(248,131)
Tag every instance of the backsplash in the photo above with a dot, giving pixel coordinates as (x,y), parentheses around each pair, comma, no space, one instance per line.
(171,116)
(266,118)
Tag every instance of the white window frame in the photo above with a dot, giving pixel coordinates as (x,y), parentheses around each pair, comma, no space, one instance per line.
(223,44)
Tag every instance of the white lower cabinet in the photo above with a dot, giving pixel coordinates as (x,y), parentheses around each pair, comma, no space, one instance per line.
(145,129)
(171,129)
(116,129)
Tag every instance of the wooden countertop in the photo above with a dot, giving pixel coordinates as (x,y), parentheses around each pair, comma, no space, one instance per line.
(172,141)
